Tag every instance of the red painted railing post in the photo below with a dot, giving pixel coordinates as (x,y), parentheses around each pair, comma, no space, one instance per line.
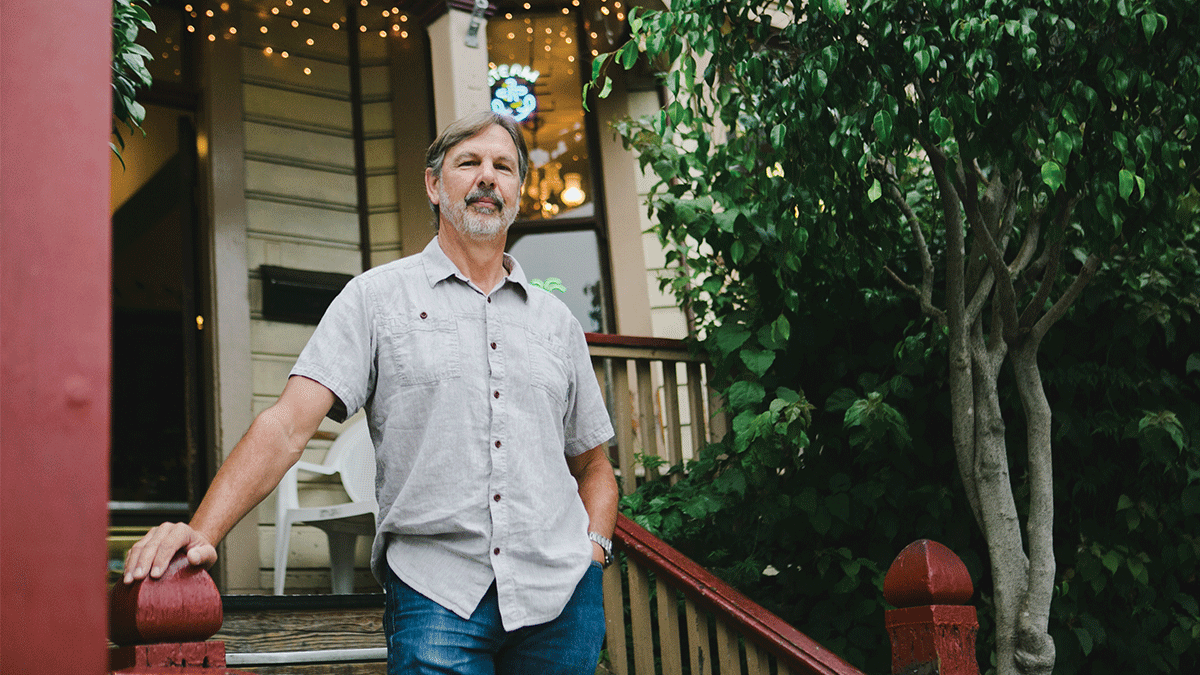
(162,626)
(932,630)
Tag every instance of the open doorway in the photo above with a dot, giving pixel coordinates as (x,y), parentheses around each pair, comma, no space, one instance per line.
(158,463)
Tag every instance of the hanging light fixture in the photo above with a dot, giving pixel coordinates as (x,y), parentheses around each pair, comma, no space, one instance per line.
(572,194)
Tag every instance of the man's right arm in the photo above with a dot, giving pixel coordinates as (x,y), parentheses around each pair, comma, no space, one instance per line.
(258,462)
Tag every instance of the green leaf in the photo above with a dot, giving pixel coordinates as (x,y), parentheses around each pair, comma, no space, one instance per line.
(1126,183)
(733,480)
(744,394)
(730,337)
(840,400)
(737,251)
(757,361)
(1149,25)
(1053,175)
(778,134)
(883,127)
(875,191)
(1193,363)
(1085,640)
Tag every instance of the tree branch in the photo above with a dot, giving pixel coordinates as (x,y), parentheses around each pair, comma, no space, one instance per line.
(962,396)
(1005,293)
(925,293)
(1056,312)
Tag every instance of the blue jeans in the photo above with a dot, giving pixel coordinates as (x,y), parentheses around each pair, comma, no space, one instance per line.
(424,638)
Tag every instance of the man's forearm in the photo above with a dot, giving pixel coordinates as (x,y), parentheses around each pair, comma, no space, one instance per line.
(598,490)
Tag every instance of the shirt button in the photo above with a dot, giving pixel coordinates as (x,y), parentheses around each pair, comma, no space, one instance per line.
(496,498)
(493,345)
(424,315)
(489,300)
(496,551)
(497,444)
(495,394)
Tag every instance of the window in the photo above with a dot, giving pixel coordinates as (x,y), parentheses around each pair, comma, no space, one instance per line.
(536,69)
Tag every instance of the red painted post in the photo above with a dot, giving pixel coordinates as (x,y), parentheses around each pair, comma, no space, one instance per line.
(162,626)
(932,630)
(55,98)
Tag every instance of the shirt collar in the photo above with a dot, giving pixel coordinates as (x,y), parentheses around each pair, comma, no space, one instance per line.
(439,267)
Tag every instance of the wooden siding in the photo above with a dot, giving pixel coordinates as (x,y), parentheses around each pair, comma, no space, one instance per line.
(302,212)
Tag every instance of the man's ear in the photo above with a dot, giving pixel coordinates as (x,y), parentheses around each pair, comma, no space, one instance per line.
(431,186)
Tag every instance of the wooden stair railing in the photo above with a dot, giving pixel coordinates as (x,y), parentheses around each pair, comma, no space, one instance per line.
(748,639)
(661,403)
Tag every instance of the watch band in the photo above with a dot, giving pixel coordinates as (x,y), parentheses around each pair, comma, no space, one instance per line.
(605,544)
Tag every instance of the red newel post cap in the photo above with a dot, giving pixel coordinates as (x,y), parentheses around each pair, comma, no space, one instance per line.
(927,573)
(183,605)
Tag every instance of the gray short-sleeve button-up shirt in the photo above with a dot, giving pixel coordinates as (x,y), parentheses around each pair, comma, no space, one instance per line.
(473,401)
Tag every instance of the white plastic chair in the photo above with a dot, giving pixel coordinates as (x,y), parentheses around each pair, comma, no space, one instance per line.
(352,456)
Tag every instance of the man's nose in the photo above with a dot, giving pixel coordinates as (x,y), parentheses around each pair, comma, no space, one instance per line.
(487,175)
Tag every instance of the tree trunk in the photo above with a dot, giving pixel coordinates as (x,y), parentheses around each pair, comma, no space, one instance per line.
(1035,648)
(1001,524)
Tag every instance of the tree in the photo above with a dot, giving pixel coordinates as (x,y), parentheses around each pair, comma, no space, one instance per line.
(988,156)
(129,69)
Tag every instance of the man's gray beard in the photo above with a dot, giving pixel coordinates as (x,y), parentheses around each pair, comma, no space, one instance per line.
(474,225)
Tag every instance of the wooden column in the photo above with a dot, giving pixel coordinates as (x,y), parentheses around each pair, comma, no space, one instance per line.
(933,630)
(55,250)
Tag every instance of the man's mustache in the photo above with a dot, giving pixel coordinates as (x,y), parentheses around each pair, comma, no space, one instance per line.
(485,193)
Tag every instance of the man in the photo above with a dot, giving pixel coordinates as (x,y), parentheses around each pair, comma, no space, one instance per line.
(496,499)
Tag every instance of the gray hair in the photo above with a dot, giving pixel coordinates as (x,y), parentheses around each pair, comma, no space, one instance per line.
(468,127)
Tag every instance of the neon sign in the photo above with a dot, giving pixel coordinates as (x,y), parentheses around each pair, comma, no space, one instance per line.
(512,90)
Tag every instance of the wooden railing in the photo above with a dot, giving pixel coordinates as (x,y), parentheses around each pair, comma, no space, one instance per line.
(660,402)
(695,620)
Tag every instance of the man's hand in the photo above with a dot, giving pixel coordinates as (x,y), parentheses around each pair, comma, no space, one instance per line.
(152,553)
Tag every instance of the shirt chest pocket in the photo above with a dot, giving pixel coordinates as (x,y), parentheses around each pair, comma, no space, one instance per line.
(548,367)
(425,349)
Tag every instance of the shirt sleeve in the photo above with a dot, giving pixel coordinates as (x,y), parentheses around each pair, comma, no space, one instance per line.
(341,352)
(586,423)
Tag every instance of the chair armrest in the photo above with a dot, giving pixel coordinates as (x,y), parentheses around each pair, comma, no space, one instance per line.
(315,468)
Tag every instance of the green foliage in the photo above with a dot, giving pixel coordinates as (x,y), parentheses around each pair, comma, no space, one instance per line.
(1127,415)
(549,284)
(129,72)
(796,191)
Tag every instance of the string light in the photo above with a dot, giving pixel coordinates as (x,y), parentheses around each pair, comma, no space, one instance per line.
(308,71)
(404,34)
(275,10)
(224,6)
(309,42)
(233,30)
(336,26)
(268,51)
(383,33)
(262,29)
(295,23)
(283,54)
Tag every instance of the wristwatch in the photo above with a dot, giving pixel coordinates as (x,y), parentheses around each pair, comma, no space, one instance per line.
(605,544)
